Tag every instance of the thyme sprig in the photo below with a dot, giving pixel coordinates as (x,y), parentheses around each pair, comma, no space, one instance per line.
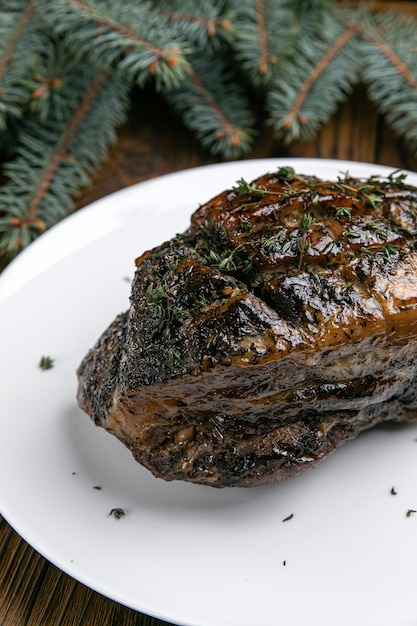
(396,177)
(270,245)
(285,173)
(226,263)
(157,296)
(362,192)
(387,251)
(306,222)
(244,188)
(248,189)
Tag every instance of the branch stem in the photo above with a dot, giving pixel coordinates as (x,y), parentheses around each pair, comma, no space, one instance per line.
(102,18)
(263,39)
(396,61)
(345,37)
(62,150)
(229,130)
(17,33)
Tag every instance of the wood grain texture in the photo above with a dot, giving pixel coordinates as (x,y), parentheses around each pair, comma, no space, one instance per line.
(32,591)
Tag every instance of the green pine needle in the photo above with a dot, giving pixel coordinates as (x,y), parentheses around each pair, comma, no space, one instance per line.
(263,37)
(390,72)
(203,24)
(58,157)
(213,105)
(22,41)
(128,37)
(311,83)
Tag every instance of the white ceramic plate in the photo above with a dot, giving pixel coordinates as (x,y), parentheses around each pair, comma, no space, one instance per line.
(184,553)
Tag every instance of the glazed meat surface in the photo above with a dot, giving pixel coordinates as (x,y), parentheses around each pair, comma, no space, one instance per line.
(281,324)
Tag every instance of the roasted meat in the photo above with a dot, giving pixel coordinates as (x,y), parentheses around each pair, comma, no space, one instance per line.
(281,324)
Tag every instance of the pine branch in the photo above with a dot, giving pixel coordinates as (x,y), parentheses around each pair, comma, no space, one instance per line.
(57,158)
(319,7)
(21,39)
(211,26)
(264,33)
(19,14)
(318,76)
(215,108)
(131,39)
(390,72)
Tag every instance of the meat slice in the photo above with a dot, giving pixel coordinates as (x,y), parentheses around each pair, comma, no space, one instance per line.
(281,324)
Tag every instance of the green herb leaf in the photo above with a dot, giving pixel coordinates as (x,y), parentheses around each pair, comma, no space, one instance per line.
(270,245)
(389,251)
(244,188)
(306,222)
(344,211)
(373,200)
(202,300)
(245,226)
(286,173)
(46,363)
(173,354)
(397,178)
(155,293)
(378,228)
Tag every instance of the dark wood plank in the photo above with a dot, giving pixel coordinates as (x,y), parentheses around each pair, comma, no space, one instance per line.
(33,592)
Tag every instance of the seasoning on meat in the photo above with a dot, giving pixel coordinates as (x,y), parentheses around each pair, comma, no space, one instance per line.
(281,324)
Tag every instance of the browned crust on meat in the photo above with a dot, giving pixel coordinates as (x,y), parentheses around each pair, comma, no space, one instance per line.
(279,326)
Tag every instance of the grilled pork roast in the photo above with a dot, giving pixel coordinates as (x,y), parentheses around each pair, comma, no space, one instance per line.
(281,324)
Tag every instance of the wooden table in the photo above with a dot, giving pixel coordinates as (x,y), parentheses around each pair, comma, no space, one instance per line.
(32,591)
